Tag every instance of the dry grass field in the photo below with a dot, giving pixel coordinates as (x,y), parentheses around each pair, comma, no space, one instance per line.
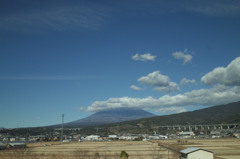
(89,150)
(222,148)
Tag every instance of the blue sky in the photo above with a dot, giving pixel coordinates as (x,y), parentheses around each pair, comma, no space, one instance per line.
(79,57)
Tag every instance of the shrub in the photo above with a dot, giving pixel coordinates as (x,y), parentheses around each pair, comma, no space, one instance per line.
(124,155)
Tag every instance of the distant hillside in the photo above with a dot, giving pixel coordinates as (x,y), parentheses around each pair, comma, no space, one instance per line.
(110,116)
(229,113)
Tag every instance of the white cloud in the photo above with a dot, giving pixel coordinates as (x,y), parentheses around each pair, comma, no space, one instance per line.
(171,87)
(159,82)
(229,76)
(144,57)
(186,81)
(219,94)
(171,110)
(136,88)
(187,58)
(155,79)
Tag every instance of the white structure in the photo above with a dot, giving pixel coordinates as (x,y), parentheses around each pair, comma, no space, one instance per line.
(92,137)
(17,145)
(113,137)
(190,133)
(185,135)
(153,137)
(196,153)
(128,137)
(163,137)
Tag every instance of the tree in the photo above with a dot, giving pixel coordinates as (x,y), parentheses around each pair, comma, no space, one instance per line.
(124,155)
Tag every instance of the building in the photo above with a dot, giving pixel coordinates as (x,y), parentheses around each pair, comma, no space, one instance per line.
(17,145)
(182,134)
(196,153)
(112,137)
(92,137)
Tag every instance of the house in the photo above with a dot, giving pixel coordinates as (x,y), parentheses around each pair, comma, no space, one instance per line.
(153,137)
(92,137)
(113,137)
(196,153)
(17,145)
(128,137)
(185,134)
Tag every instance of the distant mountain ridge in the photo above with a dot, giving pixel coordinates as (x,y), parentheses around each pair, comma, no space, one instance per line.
(110,116)
(220,114)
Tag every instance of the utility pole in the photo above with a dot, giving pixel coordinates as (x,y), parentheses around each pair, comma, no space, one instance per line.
(62,127)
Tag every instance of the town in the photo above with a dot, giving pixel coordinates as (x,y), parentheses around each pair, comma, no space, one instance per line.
(159,133)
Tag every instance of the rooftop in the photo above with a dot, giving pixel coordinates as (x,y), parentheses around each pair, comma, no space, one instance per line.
(192,149)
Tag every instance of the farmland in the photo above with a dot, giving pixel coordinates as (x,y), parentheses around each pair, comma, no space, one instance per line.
(89,150)
(222,148)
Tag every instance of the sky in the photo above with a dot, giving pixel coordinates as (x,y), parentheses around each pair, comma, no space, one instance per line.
(77,57)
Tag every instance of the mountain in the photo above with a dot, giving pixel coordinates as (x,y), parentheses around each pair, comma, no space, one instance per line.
(110,116)
(221,114)
(229,113)
(134,119)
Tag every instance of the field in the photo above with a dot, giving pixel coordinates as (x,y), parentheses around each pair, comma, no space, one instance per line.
(222,148)
(90,150)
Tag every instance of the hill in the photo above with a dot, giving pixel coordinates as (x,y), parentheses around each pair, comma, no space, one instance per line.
(229,113)
(110,116)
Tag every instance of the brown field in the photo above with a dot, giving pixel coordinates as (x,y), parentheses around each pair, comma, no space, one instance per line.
(222,148)
(89,150)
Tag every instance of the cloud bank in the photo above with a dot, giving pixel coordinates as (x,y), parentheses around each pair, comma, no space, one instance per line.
(205,97)
(229,76)
(226,89)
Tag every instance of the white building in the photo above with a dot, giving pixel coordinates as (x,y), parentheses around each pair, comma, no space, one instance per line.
(128,137)
(190,133)
(186,134)
(113,137)
(163,137)
(92,137)
(196,153)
